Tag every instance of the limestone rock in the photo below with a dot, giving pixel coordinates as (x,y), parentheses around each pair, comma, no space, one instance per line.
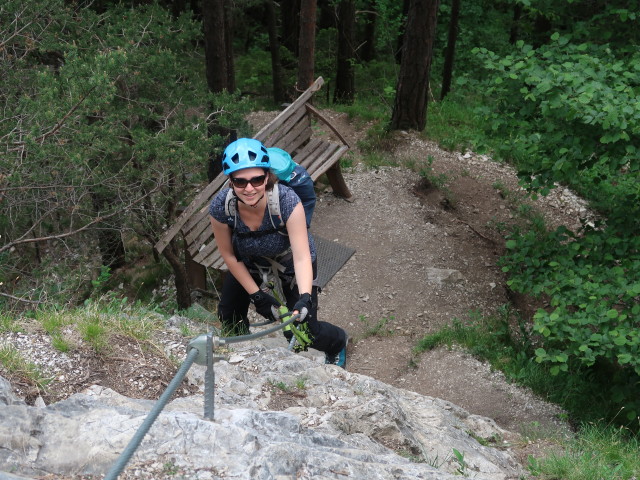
(277,415)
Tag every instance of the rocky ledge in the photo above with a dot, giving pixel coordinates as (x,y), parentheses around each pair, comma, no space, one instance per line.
(277,415)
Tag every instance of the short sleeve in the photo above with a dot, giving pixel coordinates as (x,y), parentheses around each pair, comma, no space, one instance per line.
(216,209)
(288,201)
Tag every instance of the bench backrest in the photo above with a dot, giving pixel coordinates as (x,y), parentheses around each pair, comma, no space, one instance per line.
(290,130)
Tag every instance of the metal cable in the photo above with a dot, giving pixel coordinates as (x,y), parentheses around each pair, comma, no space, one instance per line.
(253,336)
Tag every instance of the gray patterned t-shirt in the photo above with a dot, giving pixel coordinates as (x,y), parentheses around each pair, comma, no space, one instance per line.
(251,249)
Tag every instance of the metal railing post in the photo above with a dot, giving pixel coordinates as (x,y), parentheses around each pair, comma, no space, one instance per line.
(209,382)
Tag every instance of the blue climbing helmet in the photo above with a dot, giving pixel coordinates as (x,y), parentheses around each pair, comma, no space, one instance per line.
(281,163)
(244,153)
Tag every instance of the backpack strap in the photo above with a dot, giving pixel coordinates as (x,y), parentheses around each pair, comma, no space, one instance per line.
(273,204)
(231,207)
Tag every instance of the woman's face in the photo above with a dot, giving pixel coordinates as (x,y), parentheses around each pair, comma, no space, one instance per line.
(249,185)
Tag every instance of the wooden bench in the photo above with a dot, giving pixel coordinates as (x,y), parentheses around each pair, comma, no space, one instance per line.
(292,131)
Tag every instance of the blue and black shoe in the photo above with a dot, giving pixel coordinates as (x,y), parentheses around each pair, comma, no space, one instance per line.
(339,359)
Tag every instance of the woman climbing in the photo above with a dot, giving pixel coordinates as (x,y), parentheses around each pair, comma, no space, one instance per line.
(252,239)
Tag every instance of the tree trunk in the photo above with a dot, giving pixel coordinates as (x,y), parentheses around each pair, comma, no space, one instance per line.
(410,107)
(181,279)
(402,34)
(219,64)
(228,43)
(447,73)
(274,46)
(177,7)
(307,44)
(368,51)
(344,92)
(514,31)
(290,11)
(326,16)
(215,51)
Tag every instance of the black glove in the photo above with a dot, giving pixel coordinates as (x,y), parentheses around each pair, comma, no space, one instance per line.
(303,305)
(264,302)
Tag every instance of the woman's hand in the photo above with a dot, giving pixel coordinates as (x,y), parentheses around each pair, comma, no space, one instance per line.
(303,306)
(263,303)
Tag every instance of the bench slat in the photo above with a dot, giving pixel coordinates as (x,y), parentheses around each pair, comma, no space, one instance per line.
(205,251)
(331,161)
(321,154)
(185,216)
(304,156)
(268,129)
(297,121)
(297,137)
(204,232)
(193,229)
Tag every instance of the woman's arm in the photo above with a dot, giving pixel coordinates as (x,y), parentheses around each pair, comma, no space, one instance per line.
(299,239)
(222,234)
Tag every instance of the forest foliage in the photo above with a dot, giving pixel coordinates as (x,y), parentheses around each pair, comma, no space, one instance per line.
(105,132)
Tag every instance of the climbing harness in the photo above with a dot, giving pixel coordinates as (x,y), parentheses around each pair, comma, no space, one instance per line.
(301,337)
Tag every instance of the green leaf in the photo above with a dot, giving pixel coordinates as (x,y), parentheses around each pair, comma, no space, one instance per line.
(613,313)
(624,358)
(561,358)
(621,340)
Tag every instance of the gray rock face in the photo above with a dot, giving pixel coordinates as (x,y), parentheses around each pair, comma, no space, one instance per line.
(6,395)
(277,416)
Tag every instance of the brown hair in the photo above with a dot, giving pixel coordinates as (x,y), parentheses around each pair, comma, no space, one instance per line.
(272,179)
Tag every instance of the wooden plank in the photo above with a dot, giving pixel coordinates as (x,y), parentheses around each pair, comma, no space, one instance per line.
(329,162)
(324,120)
(204,252)
(197,228)
(296,140)
(276,137)
(295,144)
(297,137)
(314,155)
(204,235)
(194,223)
(321,155)
(195,204)
(214,260)
(303,157)
(301,100)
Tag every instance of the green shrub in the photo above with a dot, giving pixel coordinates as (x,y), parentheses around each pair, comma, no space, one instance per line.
(593,282)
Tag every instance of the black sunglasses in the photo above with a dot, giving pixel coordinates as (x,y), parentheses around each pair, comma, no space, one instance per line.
(243,182)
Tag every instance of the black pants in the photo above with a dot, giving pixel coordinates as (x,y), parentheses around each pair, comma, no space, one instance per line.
(234,306)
